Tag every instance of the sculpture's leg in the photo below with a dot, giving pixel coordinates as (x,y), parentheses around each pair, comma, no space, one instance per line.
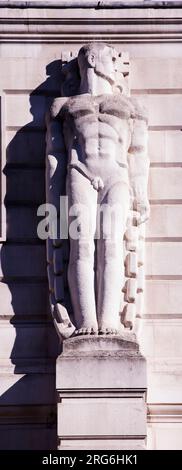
(82,203)
(110,259)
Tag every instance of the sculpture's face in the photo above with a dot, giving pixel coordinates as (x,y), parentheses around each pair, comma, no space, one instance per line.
(101,58)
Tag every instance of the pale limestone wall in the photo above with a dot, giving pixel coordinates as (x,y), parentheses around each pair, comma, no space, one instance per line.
(28,344)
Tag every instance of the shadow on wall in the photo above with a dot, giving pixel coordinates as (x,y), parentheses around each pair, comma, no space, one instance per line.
(31,397)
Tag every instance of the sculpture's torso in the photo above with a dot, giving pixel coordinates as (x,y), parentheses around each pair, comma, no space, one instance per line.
(97,131)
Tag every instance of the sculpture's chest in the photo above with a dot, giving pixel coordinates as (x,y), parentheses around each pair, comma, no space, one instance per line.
(86,108)
(115,107)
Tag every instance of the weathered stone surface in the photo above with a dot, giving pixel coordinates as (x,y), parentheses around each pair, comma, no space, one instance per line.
(101,376)
(84,360)
(125,342)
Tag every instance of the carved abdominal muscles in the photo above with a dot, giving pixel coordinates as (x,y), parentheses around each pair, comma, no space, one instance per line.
(97,164)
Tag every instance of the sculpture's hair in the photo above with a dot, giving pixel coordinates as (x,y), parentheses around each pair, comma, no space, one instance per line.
(93,45)
(87,48)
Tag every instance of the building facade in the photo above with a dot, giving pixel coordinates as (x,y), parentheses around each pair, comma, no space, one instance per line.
(34,36)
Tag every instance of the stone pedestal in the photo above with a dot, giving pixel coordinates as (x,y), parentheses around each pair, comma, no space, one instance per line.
(101,390)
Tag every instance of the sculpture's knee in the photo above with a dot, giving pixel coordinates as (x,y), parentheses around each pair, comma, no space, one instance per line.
(82,251)
(110,250)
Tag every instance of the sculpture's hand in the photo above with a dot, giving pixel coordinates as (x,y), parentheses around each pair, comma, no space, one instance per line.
(143,208)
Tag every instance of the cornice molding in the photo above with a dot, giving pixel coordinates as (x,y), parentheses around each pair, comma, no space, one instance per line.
(164,413)
(98,4)
(78,26)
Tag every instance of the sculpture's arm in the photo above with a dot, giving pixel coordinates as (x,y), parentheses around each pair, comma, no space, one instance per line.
(56,167)
(56,157)
(138,163)
(55,187)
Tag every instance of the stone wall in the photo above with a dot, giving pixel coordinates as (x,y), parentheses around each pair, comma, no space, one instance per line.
(31,43)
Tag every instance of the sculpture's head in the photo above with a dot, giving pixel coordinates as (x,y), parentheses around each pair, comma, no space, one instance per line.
(100,57)
(98,69)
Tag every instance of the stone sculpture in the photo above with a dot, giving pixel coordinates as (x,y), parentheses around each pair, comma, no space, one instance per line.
(97,156)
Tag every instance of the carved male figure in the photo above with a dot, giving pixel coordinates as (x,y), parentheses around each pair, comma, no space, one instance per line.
(105,135)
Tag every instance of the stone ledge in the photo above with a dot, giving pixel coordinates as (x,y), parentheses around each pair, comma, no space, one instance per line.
(101,344)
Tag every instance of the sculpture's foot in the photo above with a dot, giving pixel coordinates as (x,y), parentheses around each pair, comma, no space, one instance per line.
(108,331)
(87,331)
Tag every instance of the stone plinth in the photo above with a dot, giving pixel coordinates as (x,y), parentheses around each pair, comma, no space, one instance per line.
(101,389)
